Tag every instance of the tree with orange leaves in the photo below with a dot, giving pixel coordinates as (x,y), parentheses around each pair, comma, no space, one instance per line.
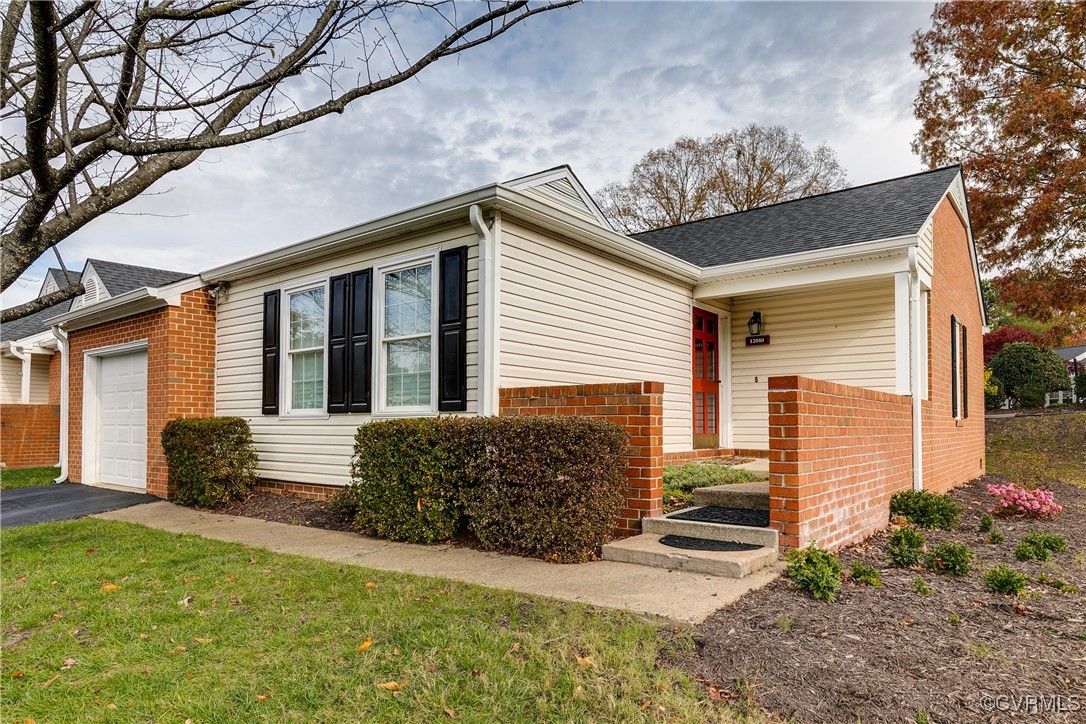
(1005,94)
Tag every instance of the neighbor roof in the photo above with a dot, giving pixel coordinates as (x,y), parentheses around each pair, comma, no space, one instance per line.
(59,277)
(121,278)
(32,324)
(883,210)
(1070,353)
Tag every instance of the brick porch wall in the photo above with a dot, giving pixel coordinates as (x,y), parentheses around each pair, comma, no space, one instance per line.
(837,455)
(180,374)
(29,435)
(54,379)
(676,458)
(636,406)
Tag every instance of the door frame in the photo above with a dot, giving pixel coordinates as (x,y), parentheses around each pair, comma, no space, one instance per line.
(92,364)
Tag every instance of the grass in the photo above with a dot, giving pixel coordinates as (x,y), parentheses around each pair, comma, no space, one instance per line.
(109,621)
(1037,447)
(27,477)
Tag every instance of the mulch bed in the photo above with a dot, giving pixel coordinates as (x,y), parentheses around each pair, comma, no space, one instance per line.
(288,509)
(888,653)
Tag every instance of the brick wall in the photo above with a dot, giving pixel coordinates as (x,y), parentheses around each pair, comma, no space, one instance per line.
(54,379)
(837,454)
(677,458)
(180,374)
(29,435)
(636,406)
(953,449)
(298,490)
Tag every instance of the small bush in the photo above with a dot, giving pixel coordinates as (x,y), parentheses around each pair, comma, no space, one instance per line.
(926,509)
(906,547)
(920,587)
(865,575)
(211,460)
(985,523)
(950,558)
(684,478)
(1080,387)
(1031,394)
(996,537)
(815,570)
(1028,371)
(1039,546)
(1004,579)
(1013,499)
(994,396)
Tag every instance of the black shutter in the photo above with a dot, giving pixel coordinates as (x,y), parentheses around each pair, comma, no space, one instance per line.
(270,395)
(339,296)
(965,370)
(954,366)
(359,356)
(452,340)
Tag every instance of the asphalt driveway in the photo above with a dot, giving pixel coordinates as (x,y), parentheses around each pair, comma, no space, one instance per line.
(24,506)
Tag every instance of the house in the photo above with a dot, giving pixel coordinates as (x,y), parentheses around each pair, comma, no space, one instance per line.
(837,335)
(30,366)
(1075,359)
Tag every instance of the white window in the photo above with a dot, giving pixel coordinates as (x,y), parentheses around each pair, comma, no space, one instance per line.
(303,373)
(407,327)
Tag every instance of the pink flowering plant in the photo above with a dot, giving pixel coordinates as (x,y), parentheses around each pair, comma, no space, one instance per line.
(1013,499)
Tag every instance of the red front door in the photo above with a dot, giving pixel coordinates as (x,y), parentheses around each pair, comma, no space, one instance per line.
(706,375)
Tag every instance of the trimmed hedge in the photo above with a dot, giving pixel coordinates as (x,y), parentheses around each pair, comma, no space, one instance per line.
(211,460)
(549,487)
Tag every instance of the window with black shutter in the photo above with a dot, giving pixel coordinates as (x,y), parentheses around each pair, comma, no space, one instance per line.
(270,362)
(452,373)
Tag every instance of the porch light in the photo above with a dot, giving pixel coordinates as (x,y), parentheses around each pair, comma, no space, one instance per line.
(754,324)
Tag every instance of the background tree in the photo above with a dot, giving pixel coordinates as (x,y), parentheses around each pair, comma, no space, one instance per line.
(1027,372)
(1005,94)
(696,178)
(111,97)
(996,340)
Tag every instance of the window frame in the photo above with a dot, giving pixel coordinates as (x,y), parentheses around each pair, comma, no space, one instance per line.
(380,406)
(286,397)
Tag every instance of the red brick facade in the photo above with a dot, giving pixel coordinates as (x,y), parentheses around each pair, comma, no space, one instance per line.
(54,379)
(677,458)
(636,406)
(837,454)
(180,374)
(29,435)
(953,449)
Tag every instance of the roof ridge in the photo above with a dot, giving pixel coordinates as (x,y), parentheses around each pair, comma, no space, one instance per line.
(138,266)
(802,198)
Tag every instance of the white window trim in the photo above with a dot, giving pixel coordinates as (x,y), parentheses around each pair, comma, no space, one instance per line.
(956,367)
(285,408)
(379,407)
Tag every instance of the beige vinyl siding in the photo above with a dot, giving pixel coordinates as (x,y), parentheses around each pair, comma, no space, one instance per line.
(573,316)
(840,333)
(11,380)
(39,379)
(315,450)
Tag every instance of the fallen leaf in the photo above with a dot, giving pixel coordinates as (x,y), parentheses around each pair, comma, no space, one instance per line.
(185,601)
(58,616)
(89,552)
(585,662)
(252,560)
(179,650)
(646,705)
(261,697)
(47,683)
(16,674)
(143,636)
(395,650)
(365,644)
(476,672)
(578,692)
(110,587)
(451,713)
(68,663)
(111,705)
(21,579)
(369,584)
(203,641)
(393,685)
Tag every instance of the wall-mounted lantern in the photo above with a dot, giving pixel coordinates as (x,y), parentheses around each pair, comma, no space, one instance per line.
(755,327)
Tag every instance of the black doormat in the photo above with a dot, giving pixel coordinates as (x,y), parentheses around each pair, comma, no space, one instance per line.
(725,516)
(703,544)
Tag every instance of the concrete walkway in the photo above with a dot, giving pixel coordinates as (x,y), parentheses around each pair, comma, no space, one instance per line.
(675,595)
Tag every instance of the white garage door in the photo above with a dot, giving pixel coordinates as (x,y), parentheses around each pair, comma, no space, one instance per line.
(122,387)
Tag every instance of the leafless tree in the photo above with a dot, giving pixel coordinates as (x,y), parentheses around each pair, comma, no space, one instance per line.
(696,178)
(114,96)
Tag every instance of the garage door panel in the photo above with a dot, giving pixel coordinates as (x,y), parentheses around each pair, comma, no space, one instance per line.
(123,419)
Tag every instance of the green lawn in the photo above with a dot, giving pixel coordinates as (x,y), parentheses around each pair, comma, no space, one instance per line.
(116,622)
(1032,448)
(27,477)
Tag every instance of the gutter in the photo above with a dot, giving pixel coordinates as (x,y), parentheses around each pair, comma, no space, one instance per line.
(915,368)
(24,382)
(62,342)
(489,301)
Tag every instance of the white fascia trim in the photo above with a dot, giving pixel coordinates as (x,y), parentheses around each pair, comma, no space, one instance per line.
(844,269)
(788,262)
(963,214)
(562,172)
(125,305)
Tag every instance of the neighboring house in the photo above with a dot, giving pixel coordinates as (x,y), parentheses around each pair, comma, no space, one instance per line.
(1075,359)
(519,298)
(30,366)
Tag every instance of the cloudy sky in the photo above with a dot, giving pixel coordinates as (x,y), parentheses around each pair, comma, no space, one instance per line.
(594,86)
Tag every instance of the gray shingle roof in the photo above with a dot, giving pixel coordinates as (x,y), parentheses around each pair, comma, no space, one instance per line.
(59,278)
(1069,353)
(882,210)
(30,325)
(121,278)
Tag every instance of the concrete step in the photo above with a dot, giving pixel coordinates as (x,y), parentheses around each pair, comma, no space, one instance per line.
(665,525)
(740,495)
(646,550)
(757,466)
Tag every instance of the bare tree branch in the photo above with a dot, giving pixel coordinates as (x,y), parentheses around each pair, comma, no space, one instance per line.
(43,302)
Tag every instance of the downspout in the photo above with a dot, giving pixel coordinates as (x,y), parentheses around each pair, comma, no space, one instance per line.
(489,299)
(916,371)
(62,340)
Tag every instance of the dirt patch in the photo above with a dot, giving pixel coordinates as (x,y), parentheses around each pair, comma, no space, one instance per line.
(288,509)
(889,653)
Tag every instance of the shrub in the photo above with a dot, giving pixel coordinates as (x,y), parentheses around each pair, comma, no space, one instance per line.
(1039,546)
(926,509)
(684,478)
(1028,370)
(952,558)
(815,570)
(996,537)
(211,460)
(1004,579)
(550,487)
(1011,499)
(994,395)
(906,547)
(1031,394)
(985,523)
(865,575)
(920,587)
(1080,387)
